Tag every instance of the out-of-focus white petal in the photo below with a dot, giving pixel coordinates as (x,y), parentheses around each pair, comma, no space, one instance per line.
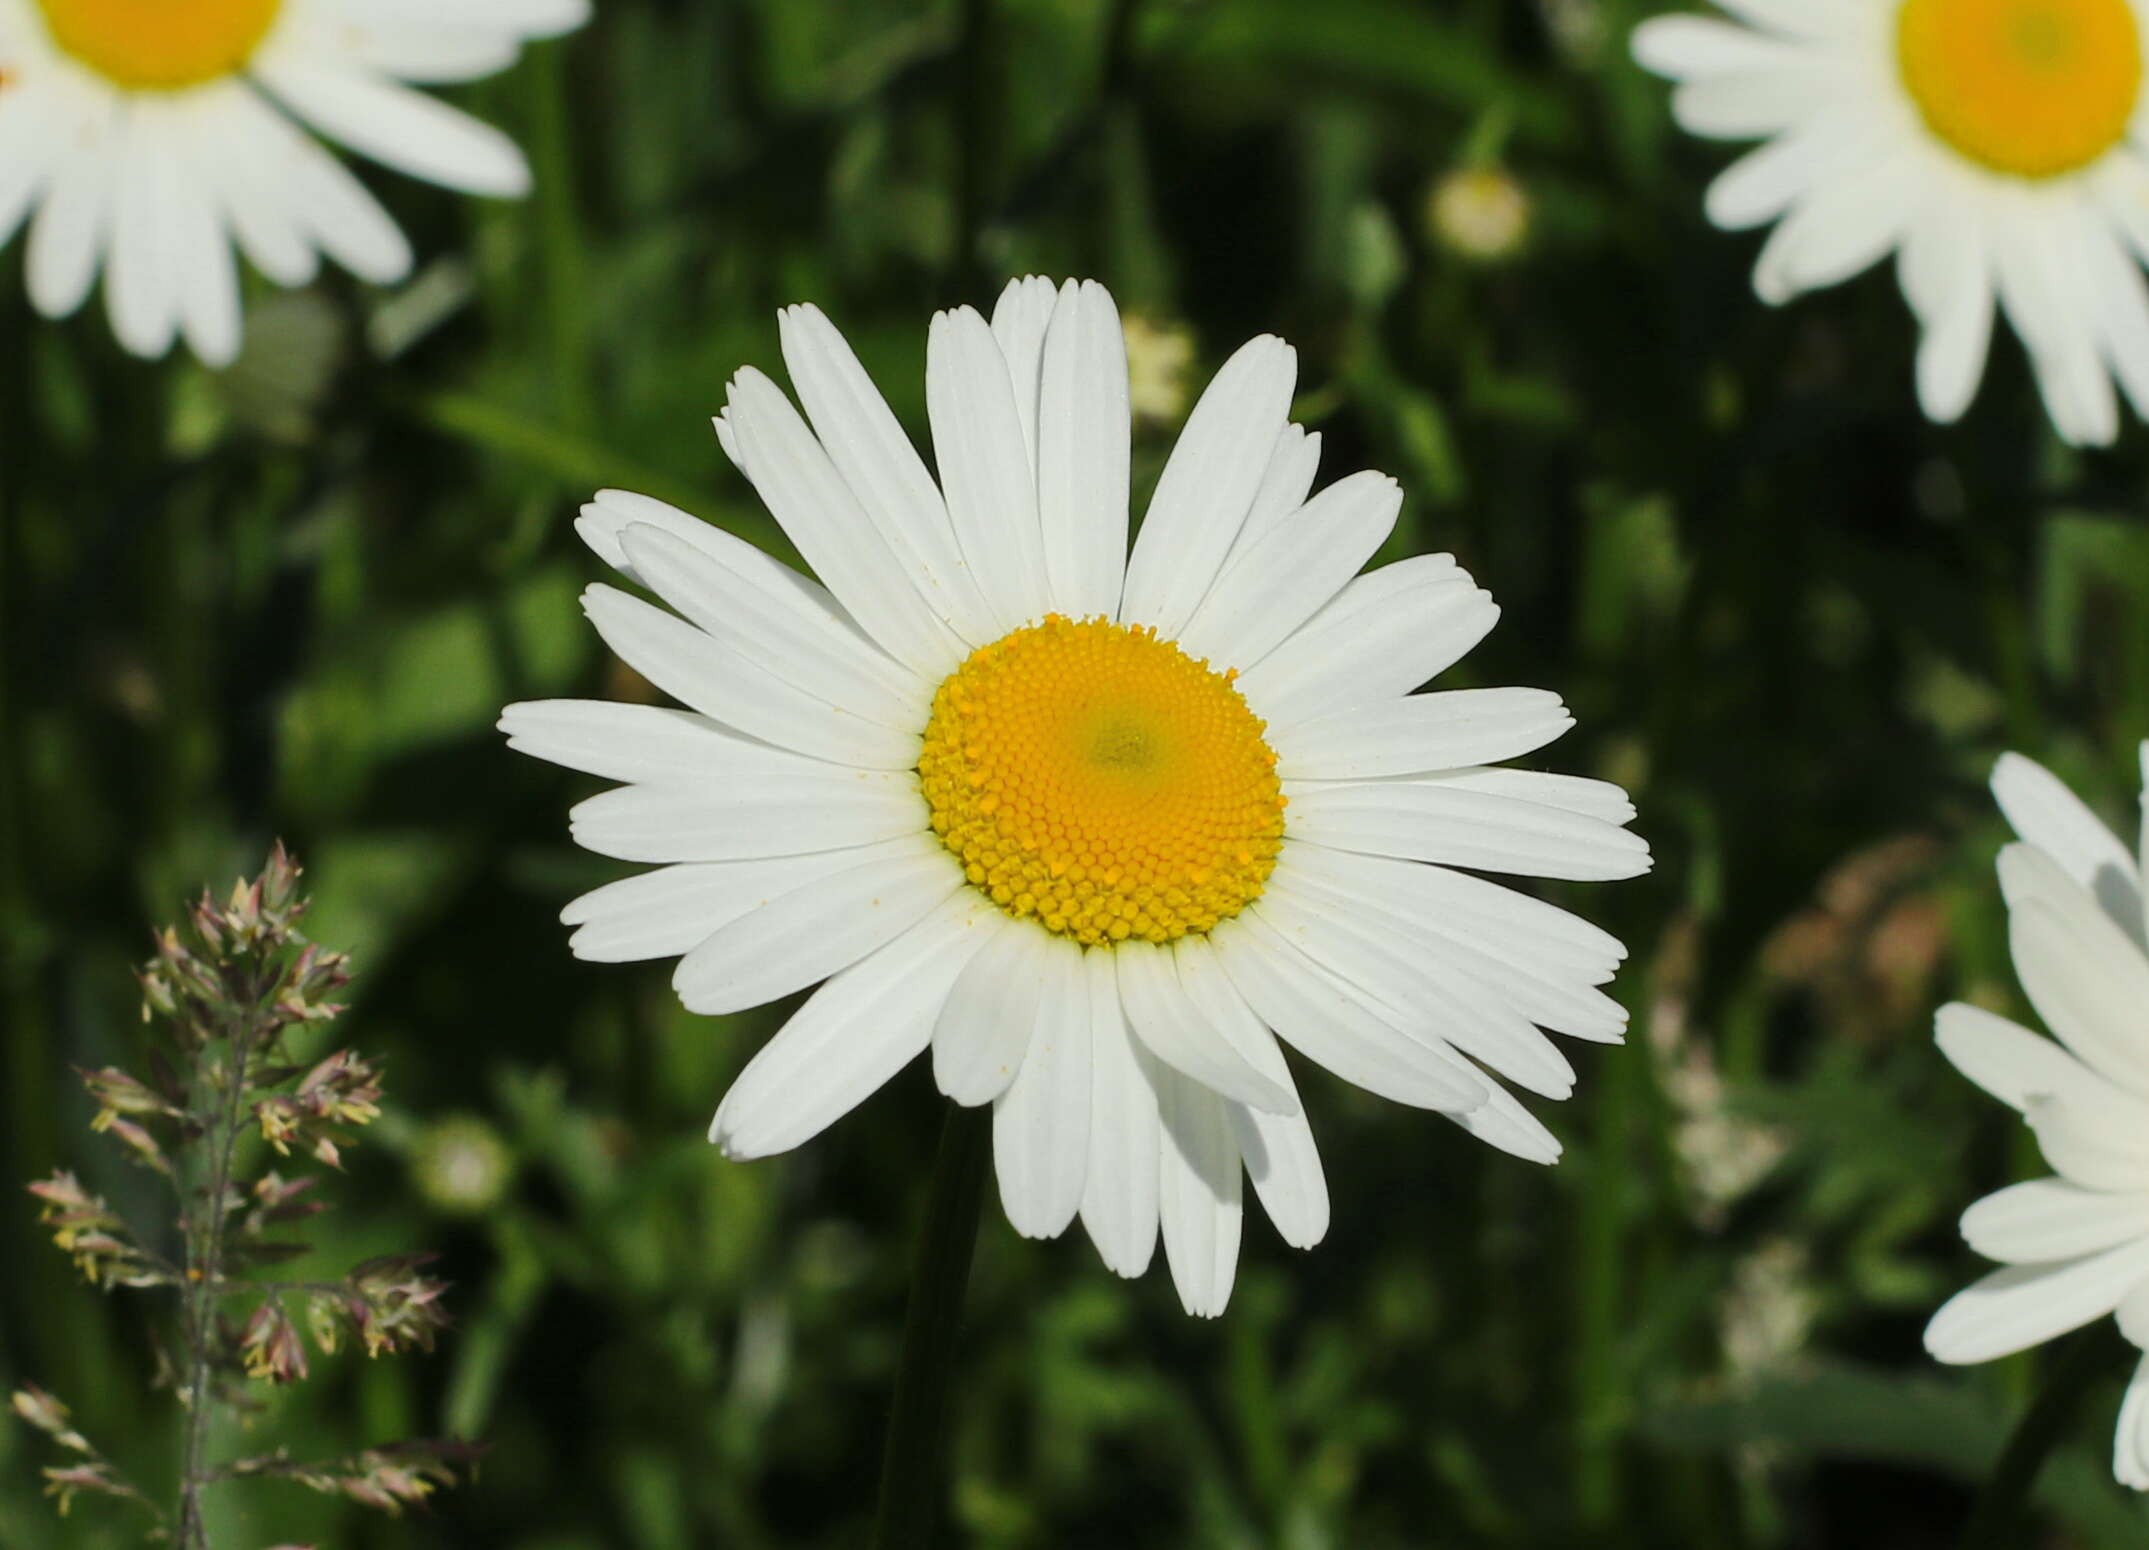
(2026,1305)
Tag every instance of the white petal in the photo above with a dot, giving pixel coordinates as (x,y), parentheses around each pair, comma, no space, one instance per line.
(1208,485)
(430,55)
(1119,1192)
(1311,1009)
(761,609)
(1172,1030)
(334,207)
(1278,1149)
(2050,1219)
(985,1028)
(1440,731)
(664,913)
(35,120)
(1684,48)
(1386,633)
(2132,1316)
(2130,1444)
(1503,1122)
(67,235)
(2111,281)
(2088,982)
(1293,461)
(1279,581)
(400,128)
(1198,1193)
(1492,912)
(1845,226)
(1813,20)
(721,682)
(2099,1141)
(607,515)
(1599,799)
(2025,1305)
(985,469)
(819,928)
(1399,897)
(208,285)
(2049,816)
(519,19)
(2038,291)
(817,511)
(1764,183)
(852,1034)
(1753,103)
(1463,828)
(2121,186)
(1426,997)
(2010,1062)
(1020,319)
(1041,1124)
(752,817)
(1082,452)
(1957,336)
(1497,1119)
(642,743)
(883,470)
(141,269)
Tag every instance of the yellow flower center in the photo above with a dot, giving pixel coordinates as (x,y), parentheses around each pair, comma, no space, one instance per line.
(2030,87)
(1103,783)
(160,44)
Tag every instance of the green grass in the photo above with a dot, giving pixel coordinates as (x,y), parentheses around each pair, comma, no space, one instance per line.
(1795,619)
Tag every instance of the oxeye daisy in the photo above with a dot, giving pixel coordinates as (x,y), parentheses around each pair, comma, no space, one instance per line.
(2075,1246)
(145,137)
(1094,827)
(1995,147)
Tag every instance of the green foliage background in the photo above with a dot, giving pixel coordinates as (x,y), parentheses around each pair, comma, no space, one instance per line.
(1798,621)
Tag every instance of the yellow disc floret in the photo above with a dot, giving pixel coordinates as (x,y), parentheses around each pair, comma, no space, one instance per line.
(160,45)
(2035,88)
(1103,783)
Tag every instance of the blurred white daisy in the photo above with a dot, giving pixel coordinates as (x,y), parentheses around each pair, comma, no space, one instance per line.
(146,136)
(2075,1246)
(1019,796)
(1996,147)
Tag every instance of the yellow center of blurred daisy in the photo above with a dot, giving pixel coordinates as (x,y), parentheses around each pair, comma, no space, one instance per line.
(2030,87)
(1103,783)
(160,45)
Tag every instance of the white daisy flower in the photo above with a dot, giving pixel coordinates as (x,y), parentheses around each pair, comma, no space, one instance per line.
(1996,147)
(1020,797)
(2075,1246)
(146,136)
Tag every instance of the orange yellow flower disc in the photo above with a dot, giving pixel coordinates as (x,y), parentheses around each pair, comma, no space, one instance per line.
(1100,781)
(2035,88)
(160,44)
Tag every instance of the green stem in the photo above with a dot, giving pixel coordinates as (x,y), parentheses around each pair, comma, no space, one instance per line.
(204,1280)
(913,1483)
(1996,1519)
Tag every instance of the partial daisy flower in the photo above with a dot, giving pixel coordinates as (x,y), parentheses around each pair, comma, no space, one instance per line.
(145,137)
(1995,147)
(1093,827)
(2075,1246)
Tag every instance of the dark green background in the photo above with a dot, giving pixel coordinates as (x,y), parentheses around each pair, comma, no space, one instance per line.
(1796,620)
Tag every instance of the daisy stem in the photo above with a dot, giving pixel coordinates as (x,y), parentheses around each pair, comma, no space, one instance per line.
(1996,1519)
(913,1482)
